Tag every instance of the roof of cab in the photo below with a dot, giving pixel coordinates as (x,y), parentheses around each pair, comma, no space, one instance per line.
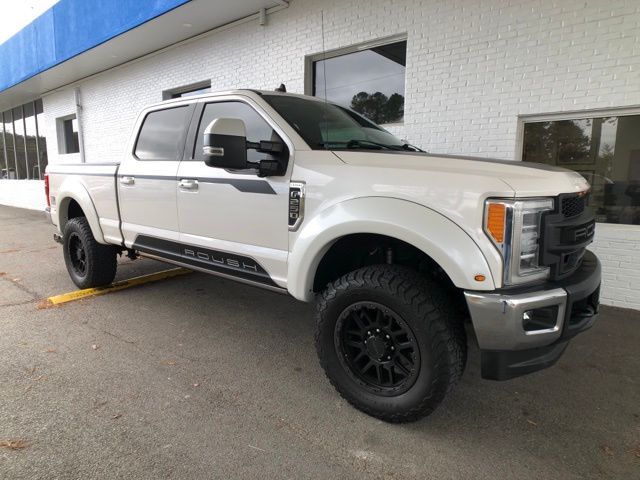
(243,91)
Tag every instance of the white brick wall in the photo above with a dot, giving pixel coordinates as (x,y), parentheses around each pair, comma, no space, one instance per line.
(618,248)
(473,66)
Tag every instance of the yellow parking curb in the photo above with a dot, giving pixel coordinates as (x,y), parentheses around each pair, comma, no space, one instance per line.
(121,285)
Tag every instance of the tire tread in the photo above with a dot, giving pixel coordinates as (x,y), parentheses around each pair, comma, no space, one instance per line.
(101,259)
(429,302)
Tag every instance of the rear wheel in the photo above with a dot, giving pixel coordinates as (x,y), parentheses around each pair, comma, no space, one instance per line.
(390,342)
(89,263)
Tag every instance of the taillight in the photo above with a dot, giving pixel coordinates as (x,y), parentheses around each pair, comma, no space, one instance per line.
(46,189)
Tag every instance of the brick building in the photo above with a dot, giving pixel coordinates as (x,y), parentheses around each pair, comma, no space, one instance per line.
(537,80)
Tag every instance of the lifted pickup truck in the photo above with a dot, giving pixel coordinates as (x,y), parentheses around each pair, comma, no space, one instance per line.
(397,247)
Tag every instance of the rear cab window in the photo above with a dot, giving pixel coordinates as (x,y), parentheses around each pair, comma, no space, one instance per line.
(161,136)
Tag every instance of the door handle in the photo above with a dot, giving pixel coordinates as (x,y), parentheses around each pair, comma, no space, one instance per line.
(188,184)
(127,181)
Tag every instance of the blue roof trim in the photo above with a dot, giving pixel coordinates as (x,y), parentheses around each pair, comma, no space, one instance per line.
(70,28)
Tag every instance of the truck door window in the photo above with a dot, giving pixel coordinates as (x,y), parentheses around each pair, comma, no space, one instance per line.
(257,128)
(161,134)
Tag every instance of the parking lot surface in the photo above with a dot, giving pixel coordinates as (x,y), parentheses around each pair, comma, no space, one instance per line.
(199,377)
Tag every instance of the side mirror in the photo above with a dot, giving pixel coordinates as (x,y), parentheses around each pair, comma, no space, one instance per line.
(225,144)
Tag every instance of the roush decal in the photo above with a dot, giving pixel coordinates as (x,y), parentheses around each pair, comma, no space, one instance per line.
(221,262)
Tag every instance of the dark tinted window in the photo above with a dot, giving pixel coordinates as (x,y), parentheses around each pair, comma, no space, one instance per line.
(257,128)
(41,139)
(325,125)
(18,129)
(370,81)
(70,135)
(3,150)
(605,150)
(33,170)
(191,93)
(160,135)
(9,147)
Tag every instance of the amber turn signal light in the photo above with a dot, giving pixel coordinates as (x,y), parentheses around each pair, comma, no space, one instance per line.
(496,221)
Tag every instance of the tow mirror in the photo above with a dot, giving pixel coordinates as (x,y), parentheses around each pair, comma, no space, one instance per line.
(225,144)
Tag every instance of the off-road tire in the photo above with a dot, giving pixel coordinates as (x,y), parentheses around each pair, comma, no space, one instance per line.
(429,312)
(100,262)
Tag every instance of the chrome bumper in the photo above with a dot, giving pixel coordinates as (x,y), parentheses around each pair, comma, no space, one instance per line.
(524,330)
(498,319)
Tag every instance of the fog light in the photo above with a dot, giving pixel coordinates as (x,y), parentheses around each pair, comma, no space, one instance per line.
(540,319)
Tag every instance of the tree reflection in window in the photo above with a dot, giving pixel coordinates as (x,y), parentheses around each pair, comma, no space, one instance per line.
(605,150)
(368,80)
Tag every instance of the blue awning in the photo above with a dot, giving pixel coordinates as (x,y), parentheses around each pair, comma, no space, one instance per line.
(70,28)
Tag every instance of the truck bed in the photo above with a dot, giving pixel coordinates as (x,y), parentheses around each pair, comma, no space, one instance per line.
(98,182)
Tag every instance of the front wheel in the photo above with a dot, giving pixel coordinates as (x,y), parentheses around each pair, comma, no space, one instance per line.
(89,263)
(390,342)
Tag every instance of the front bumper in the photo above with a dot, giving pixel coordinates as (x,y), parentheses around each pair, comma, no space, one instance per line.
(514,341)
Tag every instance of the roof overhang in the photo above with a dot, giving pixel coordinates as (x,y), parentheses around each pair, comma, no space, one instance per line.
(61,47)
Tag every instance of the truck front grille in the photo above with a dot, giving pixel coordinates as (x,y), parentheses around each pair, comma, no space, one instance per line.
(573,205)
(566,232)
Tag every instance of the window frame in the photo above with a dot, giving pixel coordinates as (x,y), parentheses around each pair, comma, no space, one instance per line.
(633,110)
(177,92)
(70,136)
(310,60)
(190,106)
(190,143)
(9,153)
(61,134)
(3,151)
(197,120)
(11,135)
(567,115)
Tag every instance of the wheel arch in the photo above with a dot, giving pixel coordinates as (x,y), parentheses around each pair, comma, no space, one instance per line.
(437,237)
(73,200)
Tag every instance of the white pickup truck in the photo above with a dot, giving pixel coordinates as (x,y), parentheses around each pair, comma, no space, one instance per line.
(398,247)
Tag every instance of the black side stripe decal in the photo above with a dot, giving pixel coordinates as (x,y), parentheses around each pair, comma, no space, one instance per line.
(213,260)
(246,186)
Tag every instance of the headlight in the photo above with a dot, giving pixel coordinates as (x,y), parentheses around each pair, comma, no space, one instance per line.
(514,228)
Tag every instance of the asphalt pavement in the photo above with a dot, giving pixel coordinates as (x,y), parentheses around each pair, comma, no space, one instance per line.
(200,377)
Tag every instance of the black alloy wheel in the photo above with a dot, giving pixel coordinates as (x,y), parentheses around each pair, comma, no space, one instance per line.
(390,340)
(77,255)
(89,263)
(379,349)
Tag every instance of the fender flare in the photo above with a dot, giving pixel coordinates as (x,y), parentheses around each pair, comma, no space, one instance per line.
(432,233)
(73,190)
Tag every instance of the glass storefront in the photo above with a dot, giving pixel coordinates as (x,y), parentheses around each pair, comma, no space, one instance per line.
(23,148)
(605,150)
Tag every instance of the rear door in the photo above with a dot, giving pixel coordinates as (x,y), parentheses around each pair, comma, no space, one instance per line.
(147,182)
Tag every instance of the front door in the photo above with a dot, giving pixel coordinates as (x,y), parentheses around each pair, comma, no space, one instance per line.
(233,222)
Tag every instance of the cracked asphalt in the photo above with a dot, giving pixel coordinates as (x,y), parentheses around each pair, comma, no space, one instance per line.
(199,377)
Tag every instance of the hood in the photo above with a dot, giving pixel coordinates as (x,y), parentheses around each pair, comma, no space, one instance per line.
(526,179)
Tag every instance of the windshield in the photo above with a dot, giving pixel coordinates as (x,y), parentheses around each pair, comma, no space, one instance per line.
(326,126)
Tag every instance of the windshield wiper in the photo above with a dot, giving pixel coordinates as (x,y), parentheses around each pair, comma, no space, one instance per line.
(371,144)
(411,148)
(359,144)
